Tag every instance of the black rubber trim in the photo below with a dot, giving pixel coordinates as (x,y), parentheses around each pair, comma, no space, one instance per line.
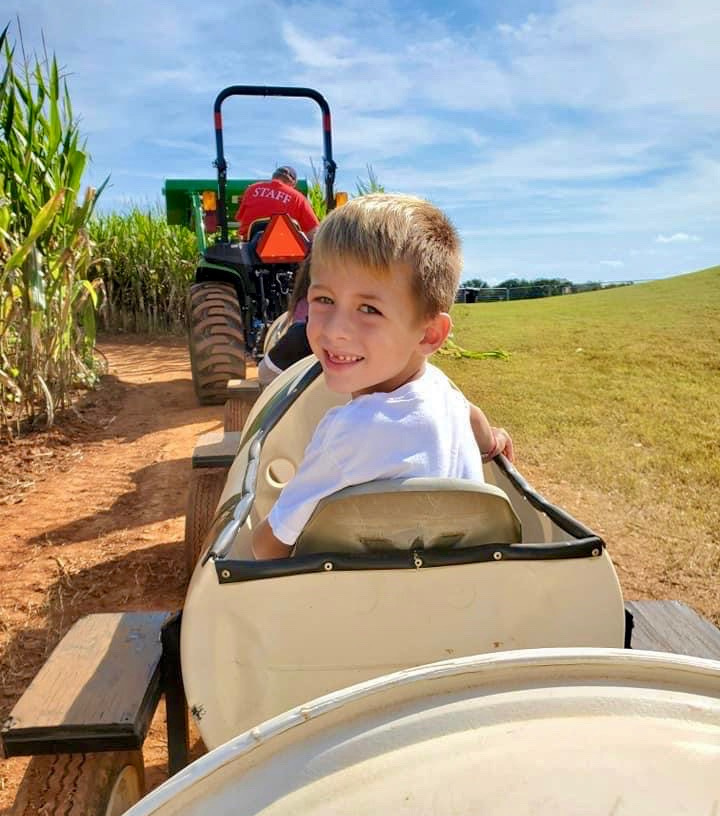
(231,571)
(218,460)
(270,417)
(563,520)
(235,510)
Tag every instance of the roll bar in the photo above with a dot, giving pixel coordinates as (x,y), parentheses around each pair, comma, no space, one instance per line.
(269,90)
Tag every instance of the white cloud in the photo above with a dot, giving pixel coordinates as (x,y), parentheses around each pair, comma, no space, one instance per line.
(362,139)
(676,238)
(314,52)
(556,138)
(613,264)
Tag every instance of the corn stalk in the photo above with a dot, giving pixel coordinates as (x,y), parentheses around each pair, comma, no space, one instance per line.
(47,296)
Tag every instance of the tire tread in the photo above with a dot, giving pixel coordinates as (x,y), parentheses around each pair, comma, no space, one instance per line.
(217,340)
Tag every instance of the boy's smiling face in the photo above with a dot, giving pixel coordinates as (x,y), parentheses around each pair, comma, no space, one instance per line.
(366,329)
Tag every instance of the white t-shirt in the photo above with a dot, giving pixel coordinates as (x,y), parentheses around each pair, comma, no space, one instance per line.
(420,429)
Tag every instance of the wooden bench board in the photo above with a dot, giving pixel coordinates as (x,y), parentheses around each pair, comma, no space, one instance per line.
(249,389)
(96,692)
(671,626)
(216,449)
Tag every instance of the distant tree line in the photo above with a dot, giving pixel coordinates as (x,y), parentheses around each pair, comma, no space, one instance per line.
(522,288)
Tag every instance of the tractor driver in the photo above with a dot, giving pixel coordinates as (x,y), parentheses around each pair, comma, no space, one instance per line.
(266,198)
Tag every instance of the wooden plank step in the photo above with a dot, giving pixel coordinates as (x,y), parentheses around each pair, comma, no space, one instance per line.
(248,389)
(97,691)
(216,449)
(671,626)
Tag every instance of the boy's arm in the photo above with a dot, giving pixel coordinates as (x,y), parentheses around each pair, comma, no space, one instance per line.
(266,545)
(316,477)
(491,441)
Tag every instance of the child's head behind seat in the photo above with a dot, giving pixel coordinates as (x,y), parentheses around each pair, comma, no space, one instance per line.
(384,272)
(380,230)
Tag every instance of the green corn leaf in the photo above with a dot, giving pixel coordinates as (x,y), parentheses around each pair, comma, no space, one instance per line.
(24,91)
(98,193)
(91,290)
(54,80)
(67,103)
(40,224)
(55,126)
(88,316)
(35,280)
(76,167)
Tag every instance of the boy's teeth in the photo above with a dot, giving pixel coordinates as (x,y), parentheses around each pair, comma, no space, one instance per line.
(345,358)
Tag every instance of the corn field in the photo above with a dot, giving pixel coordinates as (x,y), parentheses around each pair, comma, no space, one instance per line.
(147,270)
(49,289)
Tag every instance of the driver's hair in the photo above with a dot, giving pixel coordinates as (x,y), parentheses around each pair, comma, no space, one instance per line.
(386,232)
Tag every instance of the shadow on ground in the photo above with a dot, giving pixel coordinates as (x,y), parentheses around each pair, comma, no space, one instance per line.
(160,494)
(120,584)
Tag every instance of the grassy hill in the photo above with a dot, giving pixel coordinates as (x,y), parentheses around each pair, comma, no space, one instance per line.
(618,390)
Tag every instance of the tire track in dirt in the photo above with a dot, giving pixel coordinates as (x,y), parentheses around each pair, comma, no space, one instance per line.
(101,528)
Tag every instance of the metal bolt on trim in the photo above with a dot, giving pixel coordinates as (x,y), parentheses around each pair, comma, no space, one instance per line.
(225,573)
(417,561)
(596,552)
(327,566)
(497,555)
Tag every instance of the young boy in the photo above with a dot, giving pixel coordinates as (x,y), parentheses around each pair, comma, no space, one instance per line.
(383,277)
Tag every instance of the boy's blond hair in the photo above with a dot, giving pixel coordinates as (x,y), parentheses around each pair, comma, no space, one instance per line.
(382,231)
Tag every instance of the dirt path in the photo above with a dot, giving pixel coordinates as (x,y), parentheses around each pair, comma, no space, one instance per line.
(92,513)
(92,517)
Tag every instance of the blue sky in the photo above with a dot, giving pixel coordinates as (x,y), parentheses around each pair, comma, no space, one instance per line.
(576,138)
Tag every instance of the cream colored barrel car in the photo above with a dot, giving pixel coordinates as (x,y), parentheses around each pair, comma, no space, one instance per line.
(386,576)
(544,732)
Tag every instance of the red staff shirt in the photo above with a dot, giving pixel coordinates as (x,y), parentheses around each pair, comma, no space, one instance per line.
(266,198)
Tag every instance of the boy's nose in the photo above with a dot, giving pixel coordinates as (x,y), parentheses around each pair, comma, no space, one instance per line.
(337,325)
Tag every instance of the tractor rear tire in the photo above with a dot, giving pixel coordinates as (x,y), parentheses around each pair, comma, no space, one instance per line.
(98,784)
(206,487)
(217,340)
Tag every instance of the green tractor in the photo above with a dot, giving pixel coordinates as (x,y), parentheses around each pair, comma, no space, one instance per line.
(240,287)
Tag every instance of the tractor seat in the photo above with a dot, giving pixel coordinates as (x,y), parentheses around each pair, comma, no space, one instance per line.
(257,226)
(233,254)
(404,514)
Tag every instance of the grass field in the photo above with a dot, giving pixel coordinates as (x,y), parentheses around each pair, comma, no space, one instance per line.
(617,390)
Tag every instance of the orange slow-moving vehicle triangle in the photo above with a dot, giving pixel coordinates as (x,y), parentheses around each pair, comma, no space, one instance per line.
(281,242)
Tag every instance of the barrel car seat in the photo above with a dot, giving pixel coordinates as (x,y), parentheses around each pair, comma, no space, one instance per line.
(386,576)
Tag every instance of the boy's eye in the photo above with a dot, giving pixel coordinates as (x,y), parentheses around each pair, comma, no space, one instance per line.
(368,309)
(322,299)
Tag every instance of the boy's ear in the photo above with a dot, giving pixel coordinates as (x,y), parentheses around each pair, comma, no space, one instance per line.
(436,332)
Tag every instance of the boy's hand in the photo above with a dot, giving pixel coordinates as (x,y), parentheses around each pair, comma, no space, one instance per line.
(491,441)
(503,444)
(266,545)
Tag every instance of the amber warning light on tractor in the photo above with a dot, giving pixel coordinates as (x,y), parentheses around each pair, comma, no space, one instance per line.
(282,242)
(209,200)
